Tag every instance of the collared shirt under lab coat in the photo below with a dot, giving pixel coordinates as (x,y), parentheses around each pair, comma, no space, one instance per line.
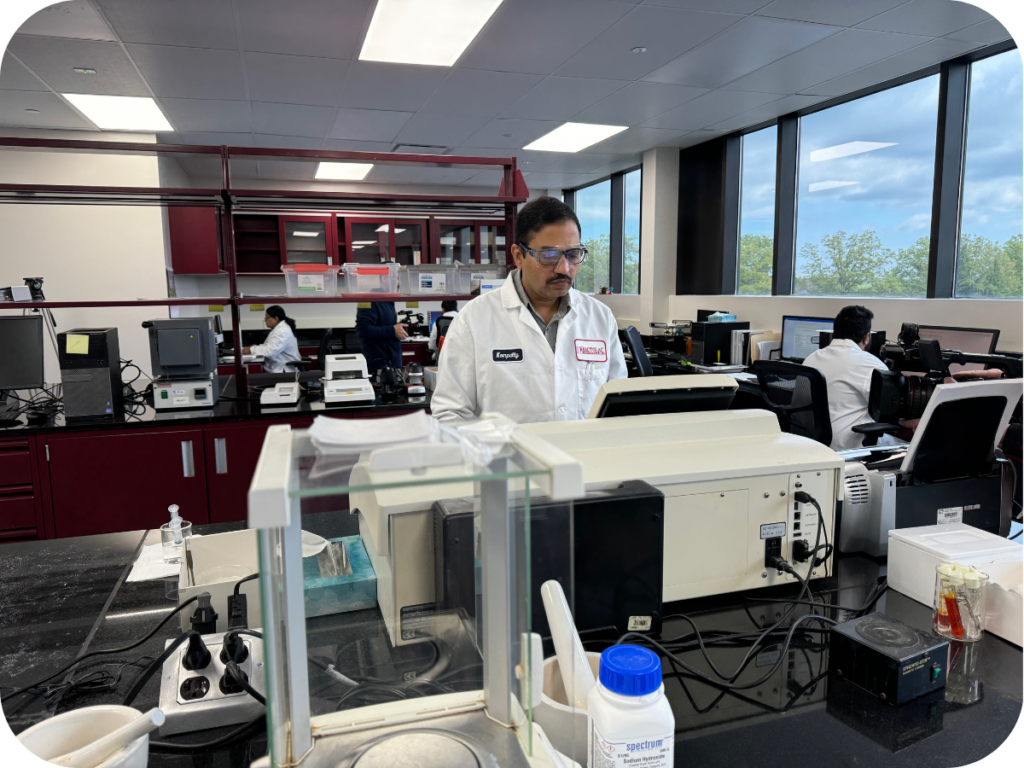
(432,344)
(847,370)
(279,349)
(498,360)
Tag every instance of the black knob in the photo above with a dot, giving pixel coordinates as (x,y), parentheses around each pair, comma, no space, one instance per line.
(198,655)
(233,649)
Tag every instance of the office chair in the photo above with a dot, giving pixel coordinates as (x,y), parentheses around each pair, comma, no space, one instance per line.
(798,396)
(442,324)
(636,348)
(325,349)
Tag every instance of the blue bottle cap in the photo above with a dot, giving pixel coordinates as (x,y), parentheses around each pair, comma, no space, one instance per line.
(630,670)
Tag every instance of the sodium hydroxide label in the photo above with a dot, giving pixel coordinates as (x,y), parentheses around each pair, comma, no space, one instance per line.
(650,752)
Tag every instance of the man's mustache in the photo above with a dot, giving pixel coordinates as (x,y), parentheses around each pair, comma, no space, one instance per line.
(559,277)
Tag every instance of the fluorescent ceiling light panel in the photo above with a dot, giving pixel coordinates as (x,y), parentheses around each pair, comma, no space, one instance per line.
(847,149)
(399,230)
(306,234)
(819,186)
(343,171)
(120,113)
(382,228)
(364,242)
(573,137)
(428,32)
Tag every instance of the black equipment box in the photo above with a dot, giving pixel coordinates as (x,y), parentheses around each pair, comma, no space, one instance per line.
(887,658)
(618,538)
(90,373)
(712,342)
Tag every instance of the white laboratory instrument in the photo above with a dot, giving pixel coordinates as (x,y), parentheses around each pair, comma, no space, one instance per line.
(346,380)
(284,393)
(198,392)
(729,478)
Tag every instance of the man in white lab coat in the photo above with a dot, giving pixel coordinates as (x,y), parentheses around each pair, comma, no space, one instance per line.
(847,369)
(537,349)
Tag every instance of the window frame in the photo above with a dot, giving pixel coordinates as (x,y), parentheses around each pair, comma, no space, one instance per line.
(617,219)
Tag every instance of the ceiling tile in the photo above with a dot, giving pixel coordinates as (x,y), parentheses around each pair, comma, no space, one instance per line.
(694,138)
(291,119)
(54,60)
(987,33)
(379,85)
(75,19)
(544,180)
(368,124)
(559,98)
(725,6)
(206,138)
(527,160)
(927,55)
(328,28)
(287,142)
(441,130)
(636,140)
(14,77)
(53,111)
(739,50)
(624,163)
(510,42)
(488,178)
(711,108)
(287,170)
(581,162)
(834,56)
(934,18)
(294,79)
(420,149)
(476,92)
(841,12)
(510,134)
(187,23)
(664,32)
(413,174)
(767,112)
(638,102)
(208,115)
(357,146)
(190,73)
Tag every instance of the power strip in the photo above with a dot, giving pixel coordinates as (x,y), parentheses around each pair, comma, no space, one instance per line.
(192,699)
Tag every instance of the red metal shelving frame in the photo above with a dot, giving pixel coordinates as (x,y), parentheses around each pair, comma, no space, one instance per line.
(225,198)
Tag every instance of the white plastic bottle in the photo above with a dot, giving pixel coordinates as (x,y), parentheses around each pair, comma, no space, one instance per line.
(629,720)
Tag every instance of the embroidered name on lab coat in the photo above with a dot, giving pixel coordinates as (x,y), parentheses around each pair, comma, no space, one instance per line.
(507,355)
(591,350)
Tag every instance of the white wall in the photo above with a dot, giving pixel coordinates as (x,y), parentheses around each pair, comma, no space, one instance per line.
(658,229)
(890,314)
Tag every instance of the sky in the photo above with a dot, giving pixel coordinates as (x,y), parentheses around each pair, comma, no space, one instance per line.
(593,207)
(891,189)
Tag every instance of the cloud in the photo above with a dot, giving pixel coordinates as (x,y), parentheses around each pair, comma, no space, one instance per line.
(821,186)
(847,149)
(917,222)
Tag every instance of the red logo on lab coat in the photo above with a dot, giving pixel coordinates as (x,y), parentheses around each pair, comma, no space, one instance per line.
(591,351)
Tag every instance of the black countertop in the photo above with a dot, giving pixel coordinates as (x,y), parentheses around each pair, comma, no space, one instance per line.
(230,407)
(60,598)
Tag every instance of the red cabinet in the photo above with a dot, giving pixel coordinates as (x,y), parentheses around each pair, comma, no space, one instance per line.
(18,501)
(308,239)
(231,455)
(109,483)
(195,240)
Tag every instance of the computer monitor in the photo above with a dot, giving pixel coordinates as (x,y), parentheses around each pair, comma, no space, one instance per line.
(643,396)
(21,352)
(800,336)
(980,341)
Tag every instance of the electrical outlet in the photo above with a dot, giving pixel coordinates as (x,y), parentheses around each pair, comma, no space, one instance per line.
(197,699)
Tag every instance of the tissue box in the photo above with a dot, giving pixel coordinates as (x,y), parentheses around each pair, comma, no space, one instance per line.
(339,594)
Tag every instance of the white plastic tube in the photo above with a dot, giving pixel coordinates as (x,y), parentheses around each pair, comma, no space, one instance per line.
(577,675)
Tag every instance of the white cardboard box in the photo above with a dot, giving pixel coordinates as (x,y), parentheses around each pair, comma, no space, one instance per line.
(915,552)
(219,562)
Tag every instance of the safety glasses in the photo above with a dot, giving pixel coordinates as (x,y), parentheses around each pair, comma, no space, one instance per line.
(550,257)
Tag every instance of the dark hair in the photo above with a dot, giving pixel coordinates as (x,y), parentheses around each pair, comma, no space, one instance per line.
(449,306)
(853,323)
(278,314)
(539,213)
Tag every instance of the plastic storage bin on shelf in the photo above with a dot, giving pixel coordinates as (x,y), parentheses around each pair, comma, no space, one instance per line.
(311,280)
(470,276)
(371,280)
(430,280)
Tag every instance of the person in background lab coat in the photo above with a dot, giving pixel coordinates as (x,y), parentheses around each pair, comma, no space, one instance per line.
(450,309)
(280,350)
(537,349)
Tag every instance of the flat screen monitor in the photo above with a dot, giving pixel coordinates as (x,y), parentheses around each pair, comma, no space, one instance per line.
(21,352)
(800,336)
(980,341)
(664,401)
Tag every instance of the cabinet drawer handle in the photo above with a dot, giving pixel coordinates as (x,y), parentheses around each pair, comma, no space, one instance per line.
(188,466)
(220,454)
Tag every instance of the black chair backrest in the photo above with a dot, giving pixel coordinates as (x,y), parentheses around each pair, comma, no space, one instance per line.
(636,348)
(350,342)
(325,349)
(798,396)
(442,324)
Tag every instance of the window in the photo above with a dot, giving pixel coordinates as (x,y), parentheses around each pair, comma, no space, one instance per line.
(865,194)
(757,213)
(989,254)
(631,234)
(594,210)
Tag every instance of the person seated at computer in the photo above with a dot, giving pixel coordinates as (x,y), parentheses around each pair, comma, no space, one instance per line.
(450,309)
(280,351)
(847,369)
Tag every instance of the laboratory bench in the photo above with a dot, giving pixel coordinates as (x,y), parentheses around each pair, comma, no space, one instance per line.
(60,599)
(77,478)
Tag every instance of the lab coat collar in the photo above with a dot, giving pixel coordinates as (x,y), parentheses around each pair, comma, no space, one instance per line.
(844,343)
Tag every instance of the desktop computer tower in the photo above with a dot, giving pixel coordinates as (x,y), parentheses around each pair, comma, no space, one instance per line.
(90,372)
(712,342)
